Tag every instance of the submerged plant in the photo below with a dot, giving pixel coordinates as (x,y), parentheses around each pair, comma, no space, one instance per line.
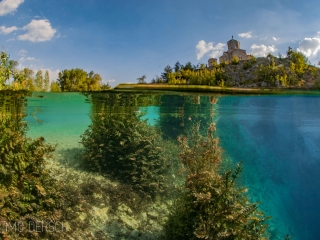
(29,196)
(212,205)
(127,149)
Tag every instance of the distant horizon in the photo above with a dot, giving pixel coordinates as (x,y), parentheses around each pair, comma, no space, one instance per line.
(122,41)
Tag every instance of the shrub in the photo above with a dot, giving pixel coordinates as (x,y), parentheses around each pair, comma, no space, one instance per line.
(223,64)
(28,194)
(317,84)
(235,60)
(127,149)
(247,64)
(212,205)
(220,75)
(253,59)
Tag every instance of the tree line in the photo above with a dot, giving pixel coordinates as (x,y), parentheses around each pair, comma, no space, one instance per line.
(69,80)
(289,71)
(189,73)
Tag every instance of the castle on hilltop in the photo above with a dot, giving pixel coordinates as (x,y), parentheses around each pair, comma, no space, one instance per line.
(233,51)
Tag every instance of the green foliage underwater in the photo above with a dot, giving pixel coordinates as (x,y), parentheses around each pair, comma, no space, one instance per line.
(129,171)
(128,150)
(211,205)
(29,195)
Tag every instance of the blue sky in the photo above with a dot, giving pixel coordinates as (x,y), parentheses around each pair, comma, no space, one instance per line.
(123,40)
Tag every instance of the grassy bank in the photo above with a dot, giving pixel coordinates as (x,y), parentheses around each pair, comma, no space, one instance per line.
(202,88)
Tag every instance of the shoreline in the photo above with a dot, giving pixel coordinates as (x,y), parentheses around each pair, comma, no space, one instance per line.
(211,89)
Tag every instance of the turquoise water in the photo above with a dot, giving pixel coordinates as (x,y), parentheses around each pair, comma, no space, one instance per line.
(276,138)
(63,117)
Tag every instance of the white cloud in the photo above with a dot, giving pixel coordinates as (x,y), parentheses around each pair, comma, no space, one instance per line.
(275,39)
(203,48)
(22,59)
(38,31)
(262,50)
(245,35)
(8,6)
(4,30)
(309,46)
(22,52)
(53,74)
(111,80)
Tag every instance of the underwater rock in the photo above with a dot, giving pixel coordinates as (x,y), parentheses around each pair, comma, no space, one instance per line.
(67,226)
(153,214)
(143,217)
(125,208)
(129,211)
(82,216)
(129,221)
(100,214)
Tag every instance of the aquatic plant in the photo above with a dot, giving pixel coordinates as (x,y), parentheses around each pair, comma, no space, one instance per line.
(29,196)
(212,205)
(127,149)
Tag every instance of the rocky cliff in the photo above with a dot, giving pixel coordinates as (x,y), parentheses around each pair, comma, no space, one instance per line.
(271,72)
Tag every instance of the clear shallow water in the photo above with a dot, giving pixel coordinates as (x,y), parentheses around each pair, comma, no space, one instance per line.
(63,117)
(276,138)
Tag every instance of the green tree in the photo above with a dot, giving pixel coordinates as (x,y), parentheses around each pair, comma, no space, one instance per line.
(38,81)
(73,80)
(93,82)
(177,67)
(189,66)
(105,86)
(142,79)
(164,75)
(29,78)
(46,81)
(6,68)
(55,87)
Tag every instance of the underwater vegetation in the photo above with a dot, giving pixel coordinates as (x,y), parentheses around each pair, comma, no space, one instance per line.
(27,192)
(127,150)
(211,206)
(130,165)
(30,198)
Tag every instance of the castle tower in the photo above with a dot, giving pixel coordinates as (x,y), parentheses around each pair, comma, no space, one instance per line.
(233,44)
(234,51)
(212,62)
